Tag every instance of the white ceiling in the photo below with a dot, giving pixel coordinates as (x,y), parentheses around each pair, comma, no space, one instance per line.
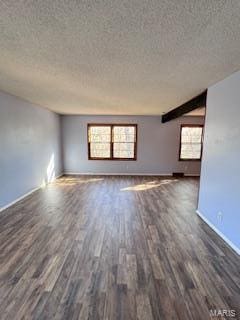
(116,57)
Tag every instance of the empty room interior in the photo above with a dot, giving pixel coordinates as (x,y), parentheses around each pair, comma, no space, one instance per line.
(119,160)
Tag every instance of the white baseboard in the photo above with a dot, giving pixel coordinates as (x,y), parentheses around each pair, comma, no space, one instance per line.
(116,174)
(24,196)
(232,245)
(18,199)
(126,174)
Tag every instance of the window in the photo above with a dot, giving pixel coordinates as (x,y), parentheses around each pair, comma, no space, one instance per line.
(112,141)
(191,142)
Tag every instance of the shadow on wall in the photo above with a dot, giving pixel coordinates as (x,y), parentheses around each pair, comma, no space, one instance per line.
(50,175)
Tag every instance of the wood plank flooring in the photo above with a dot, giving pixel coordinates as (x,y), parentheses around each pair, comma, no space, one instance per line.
(114,248)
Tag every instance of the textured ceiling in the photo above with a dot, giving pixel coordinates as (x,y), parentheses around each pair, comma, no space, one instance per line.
(116,57)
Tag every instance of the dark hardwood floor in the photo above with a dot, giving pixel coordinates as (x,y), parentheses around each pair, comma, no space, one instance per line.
(114,248)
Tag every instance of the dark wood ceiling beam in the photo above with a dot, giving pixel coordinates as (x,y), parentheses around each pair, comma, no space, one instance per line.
(198,101)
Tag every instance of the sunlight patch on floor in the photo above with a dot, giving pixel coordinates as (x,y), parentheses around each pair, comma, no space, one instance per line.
(149,185)
(74,181)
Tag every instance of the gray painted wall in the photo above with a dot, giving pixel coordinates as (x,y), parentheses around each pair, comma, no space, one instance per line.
(158,146)
(220,175)
(29,147)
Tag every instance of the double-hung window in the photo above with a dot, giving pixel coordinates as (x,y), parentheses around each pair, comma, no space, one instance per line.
(191,141)
(112,141)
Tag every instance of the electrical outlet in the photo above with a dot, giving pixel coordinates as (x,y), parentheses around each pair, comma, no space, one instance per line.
(220,216)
